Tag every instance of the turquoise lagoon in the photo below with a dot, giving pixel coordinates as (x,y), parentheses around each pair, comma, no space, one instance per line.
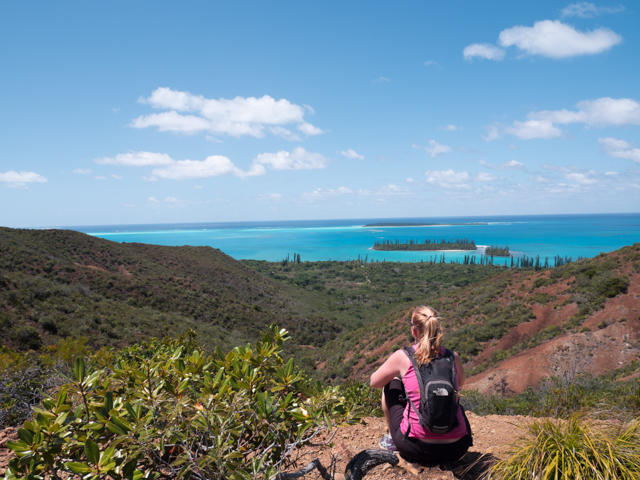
(544,235)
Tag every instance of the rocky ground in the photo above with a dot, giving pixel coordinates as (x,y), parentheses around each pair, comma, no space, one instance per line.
(493,434)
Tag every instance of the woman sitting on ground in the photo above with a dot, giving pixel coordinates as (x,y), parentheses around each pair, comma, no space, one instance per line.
(398,376)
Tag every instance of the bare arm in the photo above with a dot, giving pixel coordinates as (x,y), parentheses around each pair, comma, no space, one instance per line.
(395,366)
(460,370)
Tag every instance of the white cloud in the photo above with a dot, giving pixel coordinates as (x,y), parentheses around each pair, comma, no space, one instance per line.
(581,178)
(588,10)
(620,149)
(508,165)
(117,177)
(430,63)
(236,117)
(485,177)
(527,130)
(273,197)
(385,191)
(602,111)
(19,179)
(137,159)
(448,178)
(349,153)
(450,128)
(541,179)
(309,129)
(483,50)
(167,201)
(322,193)
(493,132)
(83,171)
(99,177)
(297,159)
(435,149)
(533,129)
(554,39)
(381,80)
(210,167)
(197,187)
(284,133)
(611,174)
(410,180)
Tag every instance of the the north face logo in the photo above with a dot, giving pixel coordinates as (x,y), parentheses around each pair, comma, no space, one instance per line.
(441,392)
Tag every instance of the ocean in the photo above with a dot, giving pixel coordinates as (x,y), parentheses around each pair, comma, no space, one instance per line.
(532,235)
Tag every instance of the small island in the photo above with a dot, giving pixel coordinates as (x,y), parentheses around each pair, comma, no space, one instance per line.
(427,245)
(497,251)
(386,224)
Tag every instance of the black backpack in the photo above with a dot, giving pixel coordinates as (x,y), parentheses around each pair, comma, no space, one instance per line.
(438,409)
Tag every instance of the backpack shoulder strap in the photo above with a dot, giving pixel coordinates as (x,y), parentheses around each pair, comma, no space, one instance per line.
(410,353)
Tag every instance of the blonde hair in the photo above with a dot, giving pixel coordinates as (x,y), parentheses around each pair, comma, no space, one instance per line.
(427,322)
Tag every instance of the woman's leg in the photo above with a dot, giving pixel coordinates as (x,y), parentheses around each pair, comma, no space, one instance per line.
(385,410)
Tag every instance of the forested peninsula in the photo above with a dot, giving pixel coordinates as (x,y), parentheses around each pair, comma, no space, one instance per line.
(427,245)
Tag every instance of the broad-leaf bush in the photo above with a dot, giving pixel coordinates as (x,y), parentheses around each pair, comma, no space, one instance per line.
(165,408)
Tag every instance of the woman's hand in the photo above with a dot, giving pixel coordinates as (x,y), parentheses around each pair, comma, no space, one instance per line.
(395,366)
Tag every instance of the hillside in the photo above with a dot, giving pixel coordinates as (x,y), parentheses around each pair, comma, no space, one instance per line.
(519,326)
(60,283)
(512,327)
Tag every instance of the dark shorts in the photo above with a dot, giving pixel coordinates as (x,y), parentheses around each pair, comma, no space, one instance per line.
(413,448)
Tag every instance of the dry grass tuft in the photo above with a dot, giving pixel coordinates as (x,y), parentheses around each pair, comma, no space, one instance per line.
(576,448)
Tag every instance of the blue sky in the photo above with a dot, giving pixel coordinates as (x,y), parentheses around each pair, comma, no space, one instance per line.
(164,112)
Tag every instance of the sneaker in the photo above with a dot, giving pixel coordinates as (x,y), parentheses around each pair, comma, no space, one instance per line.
(386,442)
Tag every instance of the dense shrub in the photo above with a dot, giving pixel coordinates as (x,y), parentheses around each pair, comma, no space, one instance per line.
(27,338)
(165,407)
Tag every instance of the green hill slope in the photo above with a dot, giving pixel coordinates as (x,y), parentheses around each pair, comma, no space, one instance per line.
(481,319)
(64,283)
(59,284)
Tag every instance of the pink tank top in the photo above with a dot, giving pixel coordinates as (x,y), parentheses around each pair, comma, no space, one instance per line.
(413,391)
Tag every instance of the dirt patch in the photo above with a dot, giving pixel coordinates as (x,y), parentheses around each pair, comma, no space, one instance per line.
(8,434)
(122,269)
(92,267)
(493,435)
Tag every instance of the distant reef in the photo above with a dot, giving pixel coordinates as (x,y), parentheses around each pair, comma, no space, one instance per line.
(369,225)
(427,245)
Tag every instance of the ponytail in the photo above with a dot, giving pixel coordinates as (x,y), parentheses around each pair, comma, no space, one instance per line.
(427,322)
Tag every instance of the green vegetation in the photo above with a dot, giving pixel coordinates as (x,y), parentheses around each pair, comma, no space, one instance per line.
(497,251)
(175,406)
(605,396)
(166,407)
(427,245)
(57,284)
(575,448)
(484,311)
